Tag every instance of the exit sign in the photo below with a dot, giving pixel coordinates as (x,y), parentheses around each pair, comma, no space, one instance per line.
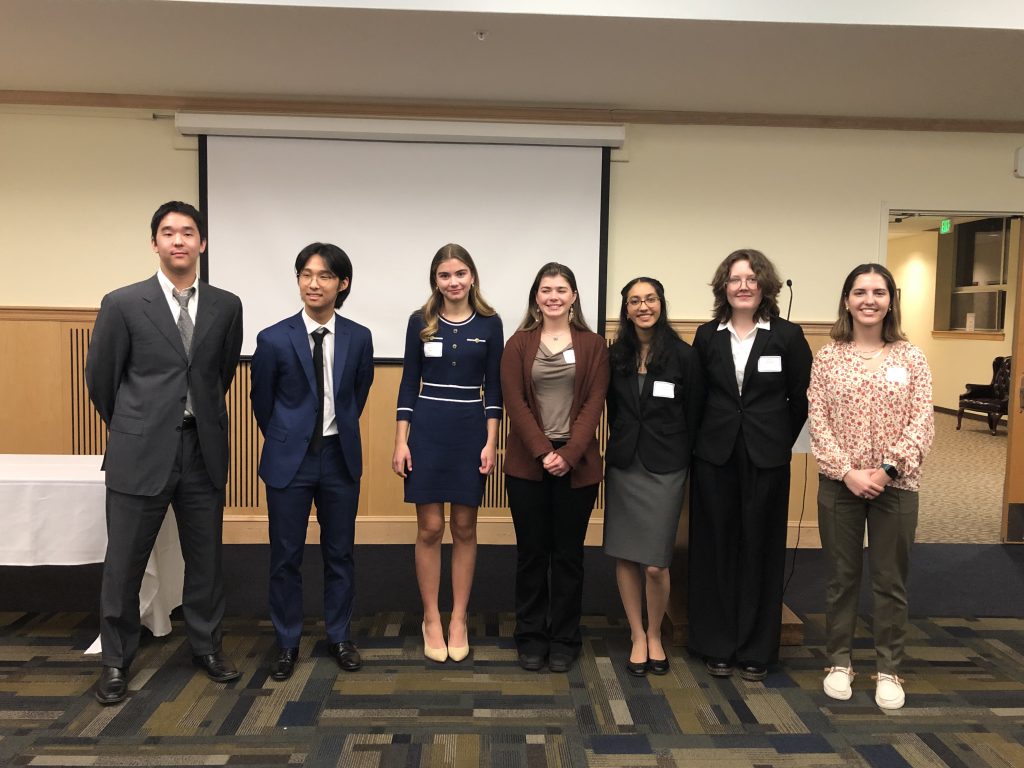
(945,226)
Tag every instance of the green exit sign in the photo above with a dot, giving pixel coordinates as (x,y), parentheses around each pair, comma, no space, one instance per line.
(945,226)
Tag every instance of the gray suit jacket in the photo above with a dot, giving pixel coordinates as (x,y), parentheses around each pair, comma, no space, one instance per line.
(138,373)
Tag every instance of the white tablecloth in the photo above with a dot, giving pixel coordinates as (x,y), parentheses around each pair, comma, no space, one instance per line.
(53,510)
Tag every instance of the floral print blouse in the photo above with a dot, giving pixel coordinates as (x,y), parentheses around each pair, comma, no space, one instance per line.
(860,417)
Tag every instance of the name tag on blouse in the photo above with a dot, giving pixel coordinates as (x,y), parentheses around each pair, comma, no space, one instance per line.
(896,375)
(664,389)
(432,348)
(569,356)
(769,364)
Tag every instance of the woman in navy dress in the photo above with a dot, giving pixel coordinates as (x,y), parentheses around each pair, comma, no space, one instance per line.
(446,433)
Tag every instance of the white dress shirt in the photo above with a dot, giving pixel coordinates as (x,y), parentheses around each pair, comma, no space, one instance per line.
(330,418)
(741,347)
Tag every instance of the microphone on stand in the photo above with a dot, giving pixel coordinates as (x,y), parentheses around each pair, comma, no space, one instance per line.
(789,284)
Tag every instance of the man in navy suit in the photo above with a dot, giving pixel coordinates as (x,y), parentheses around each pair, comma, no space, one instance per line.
(311,374)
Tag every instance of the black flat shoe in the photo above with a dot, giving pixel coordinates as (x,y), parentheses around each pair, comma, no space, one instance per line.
(753,672)
(636,668)
(718,667)
(217,668)
(346,654)
(531,662)
(560,662)
(658,666)
(112,687)
(284,664)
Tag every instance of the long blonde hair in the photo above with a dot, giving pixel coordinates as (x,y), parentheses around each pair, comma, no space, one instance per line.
(431,311)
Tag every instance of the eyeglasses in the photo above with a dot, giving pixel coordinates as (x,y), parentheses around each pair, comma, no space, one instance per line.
(635,301)
(749,282)
(307,276)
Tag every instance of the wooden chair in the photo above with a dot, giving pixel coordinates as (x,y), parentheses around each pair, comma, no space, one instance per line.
(990,399)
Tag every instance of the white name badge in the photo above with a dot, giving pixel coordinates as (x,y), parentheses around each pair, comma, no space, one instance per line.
(664,389)
(897,374)
(569,356)
(769,364)
(431,348)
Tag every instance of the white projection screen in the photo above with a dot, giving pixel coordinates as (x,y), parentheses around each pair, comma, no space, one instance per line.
(390,206)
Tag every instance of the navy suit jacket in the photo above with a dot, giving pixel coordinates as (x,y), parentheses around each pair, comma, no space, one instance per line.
(773,407)
(284,394)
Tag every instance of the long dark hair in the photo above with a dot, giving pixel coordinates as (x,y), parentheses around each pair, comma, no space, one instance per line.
(534,318)
(767,280)
(892,330)
(625,351)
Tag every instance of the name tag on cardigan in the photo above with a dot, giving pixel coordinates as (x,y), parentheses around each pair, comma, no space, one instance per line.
(769,364)
(569,356)
(431,348)
(897,374)
(664,389)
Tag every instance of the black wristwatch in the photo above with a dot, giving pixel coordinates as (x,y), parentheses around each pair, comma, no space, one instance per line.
(891,471)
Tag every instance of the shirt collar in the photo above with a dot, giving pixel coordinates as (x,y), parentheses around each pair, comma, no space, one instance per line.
(727,326)
(312,325)
(168,286)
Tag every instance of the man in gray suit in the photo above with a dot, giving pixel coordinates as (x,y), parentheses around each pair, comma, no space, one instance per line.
(162,357)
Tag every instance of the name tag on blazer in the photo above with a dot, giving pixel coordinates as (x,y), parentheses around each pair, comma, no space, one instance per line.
(664,389)
(769,364)
(897,374)
(431,348)
(569,356)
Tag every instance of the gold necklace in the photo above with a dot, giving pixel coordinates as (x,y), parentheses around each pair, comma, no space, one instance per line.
(868,355)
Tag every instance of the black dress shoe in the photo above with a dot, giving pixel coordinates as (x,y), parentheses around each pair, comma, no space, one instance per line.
(658,666)
(112,686)
(217,668)
(753,672)
(560,662)
(531,662)
(636,668)
(284,664)
(346,654)
(718,667)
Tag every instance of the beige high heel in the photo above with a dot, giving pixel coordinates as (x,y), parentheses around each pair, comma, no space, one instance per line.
(440,655)
(458,653)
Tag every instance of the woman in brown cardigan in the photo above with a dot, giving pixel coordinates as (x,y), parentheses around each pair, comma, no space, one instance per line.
(554,376)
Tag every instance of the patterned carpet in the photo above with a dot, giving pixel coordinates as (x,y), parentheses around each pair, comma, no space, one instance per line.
(964,681)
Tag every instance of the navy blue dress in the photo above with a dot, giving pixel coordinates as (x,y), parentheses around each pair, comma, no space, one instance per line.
(449,413)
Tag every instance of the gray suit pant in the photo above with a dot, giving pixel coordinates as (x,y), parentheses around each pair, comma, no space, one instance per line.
(891,521)
(133,523)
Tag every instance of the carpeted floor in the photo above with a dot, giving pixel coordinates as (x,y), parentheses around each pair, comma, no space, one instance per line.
(964,681)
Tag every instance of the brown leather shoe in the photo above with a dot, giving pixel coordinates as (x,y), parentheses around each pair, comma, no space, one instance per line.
(346,654)
(219,669)
(112,687)
(284,664)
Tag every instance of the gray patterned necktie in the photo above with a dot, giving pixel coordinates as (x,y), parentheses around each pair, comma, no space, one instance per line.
(185,328)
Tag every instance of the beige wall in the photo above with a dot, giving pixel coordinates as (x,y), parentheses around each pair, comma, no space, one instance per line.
(954,362)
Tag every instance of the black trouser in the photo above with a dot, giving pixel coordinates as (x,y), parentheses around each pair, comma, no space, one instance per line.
(737,558)
(133,523)
(550,518)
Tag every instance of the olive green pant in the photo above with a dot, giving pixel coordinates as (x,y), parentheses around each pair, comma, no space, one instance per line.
(891,520)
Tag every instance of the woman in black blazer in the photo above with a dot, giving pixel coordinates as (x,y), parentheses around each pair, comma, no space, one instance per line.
(756,369)
(653,406)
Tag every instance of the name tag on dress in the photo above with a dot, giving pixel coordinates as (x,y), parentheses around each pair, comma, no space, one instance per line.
(897,374)
(664,389)
(569,356)
(431,348)
(769,364)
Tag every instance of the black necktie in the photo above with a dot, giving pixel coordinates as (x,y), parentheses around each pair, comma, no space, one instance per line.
(318,373)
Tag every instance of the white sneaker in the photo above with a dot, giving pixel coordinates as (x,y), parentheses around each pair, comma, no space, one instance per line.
(889,691)
(838,682)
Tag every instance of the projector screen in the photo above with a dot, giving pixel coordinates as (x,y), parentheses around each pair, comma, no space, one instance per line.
(390,206)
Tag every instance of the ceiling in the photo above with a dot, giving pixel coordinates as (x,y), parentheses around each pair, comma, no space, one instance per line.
(337,54)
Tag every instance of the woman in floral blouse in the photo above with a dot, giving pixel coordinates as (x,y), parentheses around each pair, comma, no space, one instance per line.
(871,424)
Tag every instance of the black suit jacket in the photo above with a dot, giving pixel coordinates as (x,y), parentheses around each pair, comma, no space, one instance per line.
(138,373)
(661,430)
(773,407)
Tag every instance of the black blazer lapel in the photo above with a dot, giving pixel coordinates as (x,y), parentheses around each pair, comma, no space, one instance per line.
(760,342)
(721,342)
(156,308)
(206,315)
